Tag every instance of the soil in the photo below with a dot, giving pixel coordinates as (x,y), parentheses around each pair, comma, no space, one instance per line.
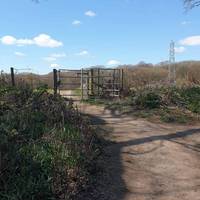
(144,160)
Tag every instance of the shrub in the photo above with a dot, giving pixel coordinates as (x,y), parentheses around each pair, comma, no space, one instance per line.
(44,146)
(191,96)
(147,99)
(154,97)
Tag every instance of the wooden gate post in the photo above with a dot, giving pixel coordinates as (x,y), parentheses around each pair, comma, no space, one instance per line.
(98,82)
(55,81)
(82,88)
(12,76)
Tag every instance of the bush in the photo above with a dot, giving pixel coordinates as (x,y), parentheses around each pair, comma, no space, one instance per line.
(175,115)
(147,99)
(173,104)
(192,98)
(186,97)
(171,96)
(45,146)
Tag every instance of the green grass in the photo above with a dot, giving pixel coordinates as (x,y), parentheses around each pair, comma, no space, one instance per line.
(77,91)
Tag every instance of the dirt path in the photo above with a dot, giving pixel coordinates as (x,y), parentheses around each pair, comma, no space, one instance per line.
(147,161)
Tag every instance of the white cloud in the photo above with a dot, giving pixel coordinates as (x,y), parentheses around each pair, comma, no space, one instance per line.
(90,13)
(8,40)
(42,40)
(49,59)
(22,42)
(113,62)
(19,54)
(185,23)
(191,41)
(180,49)
(54,57)
(55,65)
(58,55)
(76,23)
(83,53)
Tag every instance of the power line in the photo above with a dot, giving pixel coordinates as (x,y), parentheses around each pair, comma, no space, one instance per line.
(172,69)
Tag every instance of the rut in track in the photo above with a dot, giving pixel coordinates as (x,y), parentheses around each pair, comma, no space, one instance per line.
(146,160)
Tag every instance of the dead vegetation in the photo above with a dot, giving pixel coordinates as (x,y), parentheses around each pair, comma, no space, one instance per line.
(45,145)
(148,94)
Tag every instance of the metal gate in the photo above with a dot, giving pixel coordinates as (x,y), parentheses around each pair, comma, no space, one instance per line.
(72,83)
(25,76)
(86,83)
(106,82)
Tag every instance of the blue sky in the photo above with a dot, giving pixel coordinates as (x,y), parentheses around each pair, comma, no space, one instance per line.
(83,33)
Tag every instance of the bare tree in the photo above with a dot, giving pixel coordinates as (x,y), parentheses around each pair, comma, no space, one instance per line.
(191,3)
(188,3)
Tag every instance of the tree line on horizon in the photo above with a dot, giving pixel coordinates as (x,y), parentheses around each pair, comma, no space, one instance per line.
(139,75)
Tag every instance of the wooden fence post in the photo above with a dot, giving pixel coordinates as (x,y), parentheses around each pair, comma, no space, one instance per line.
(82,88)
(55,81)
(98,82)
(12,76)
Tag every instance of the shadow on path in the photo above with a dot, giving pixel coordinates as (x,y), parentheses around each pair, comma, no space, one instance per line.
(169,137)
(109,184)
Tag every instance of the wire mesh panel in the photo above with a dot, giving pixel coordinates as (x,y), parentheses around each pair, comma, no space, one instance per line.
(106,82)
(73,83)
(94,82)
(27,76)
(5,78)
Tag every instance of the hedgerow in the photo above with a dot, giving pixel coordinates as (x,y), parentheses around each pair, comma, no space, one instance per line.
(45,146)
(155,97)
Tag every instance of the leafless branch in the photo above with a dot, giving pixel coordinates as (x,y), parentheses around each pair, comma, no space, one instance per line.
(191,3)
